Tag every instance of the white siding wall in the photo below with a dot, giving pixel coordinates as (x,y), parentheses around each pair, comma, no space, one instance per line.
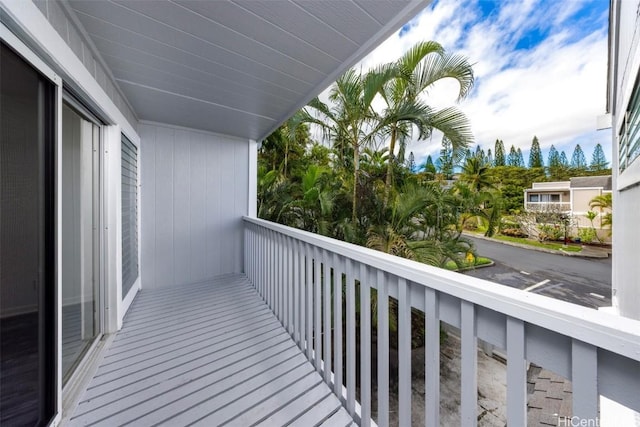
(626,232)
(194,194)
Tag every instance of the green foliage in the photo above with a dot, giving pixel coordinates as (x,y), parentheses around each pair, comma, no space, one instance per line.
(411,162)
(554,158)
(520,158)
(499,154)
(513,160)
(429,167)
(598,159)
(550,232)
(563,159)
(587,235)
(535,155)
(511,181)
(445,163)
(578,160)
(602,202)
(489,158)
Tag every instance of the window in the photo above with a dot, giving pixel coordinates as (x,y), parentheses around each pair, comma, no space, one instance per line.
(129,215)
(534,198)
(629,137)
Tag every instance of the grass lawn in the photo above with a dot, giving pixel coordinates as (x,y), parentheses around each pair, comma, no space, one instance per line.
(479,261)
(572,247)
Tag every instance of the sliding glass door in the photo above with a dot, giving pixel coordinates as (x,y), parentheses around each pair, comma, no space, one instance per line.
(80,236)
(27,244)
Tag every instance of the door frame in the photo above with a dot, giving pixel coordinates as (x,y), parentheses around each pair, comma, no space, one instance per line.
(34,61)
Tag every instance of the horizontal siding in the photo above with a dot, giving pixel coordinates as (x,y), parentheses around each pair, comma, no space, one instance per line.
(194,194)
(212,353)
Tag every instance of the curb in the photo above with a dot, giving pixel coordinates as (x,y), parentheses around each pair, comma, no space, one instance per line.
(475,267)
(581,254)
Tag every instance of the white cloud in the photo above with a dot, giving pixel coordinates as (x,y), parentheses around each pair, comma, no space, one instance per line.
(554,90)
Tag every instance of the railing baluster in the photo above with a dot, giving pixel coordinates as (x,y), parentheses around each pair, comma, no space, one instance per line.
(584,377)
(283,285)
(337,325)
(432,358)
(351,339)
(309,302)
(271,263)
(290,285)
(365,346)
(468,362)
(326,284)
(516,373)
(383,349)
(283,281)
(317,304)
(260,266)
(279,280)
(404,352)
(303,296)
(276,274)
(296,297)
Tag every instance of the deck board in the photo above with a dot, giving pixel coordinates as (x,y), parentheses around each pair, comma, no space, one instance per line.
(206,354)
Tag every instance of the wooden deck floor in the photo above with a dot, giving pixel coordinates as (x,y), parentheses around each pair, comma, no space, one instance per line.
(206,354)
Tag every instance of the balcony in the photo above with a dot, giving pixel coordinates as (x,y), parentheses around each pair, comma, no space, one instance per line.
(216,353)
(548,206)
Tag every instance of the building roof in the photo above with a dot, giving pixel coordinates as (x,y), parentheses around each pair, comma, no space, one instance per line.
(603,182)
(239,67)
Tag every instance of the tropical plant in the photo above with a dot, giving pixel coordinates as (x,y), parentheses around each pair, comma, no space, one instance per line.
(477,174)
(602,202)
(418,70)
(591,216)
(350,119)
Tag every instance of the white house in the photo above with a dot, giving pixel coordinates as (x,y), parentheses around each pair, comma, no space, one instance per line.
(623,100)
(128,187)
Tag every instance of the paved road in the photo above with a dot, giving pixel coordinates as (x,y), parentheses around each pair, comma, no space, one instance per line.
(584,281)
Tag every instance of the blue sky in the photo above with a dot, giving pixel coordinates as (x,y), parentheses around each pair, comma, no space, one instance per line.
(540,68)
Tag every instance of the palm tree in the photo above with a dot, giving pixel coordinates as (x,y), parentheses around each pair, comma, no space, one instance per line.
(603,201)
(476,174)
(421,227)
(350,117)
(417,71)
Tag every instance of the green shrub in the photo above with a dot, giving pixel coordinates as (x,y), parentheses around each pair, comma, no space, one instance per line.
(550,232)
(513,232)
(587,235)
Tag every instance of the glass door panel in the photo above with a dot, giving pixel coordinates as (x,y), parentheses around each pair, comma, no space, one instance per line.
(27,244)
(80,214)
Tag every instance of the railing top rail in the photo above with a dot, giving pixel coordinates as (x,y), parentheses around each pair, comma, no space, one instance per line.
(605,330)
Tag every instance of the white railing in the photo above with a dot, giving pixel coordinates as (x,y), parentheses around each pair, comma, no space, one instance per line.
(295,272)
(548,206)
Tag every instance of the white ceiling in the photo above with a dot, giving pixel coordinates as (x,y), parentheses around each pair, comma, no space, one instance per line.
(237,67)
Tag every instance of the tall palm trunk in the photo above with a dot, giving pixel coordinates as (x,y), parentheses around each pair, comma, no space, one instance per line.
(392,147)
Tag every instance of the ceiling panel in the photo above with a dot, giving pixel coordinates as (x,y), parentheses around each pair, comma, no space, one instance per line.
(216,77)
(175,18)
(235,67)
(189,53)
(257,28)
(303,25)
(159,106)
(126,71)
(352,21)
